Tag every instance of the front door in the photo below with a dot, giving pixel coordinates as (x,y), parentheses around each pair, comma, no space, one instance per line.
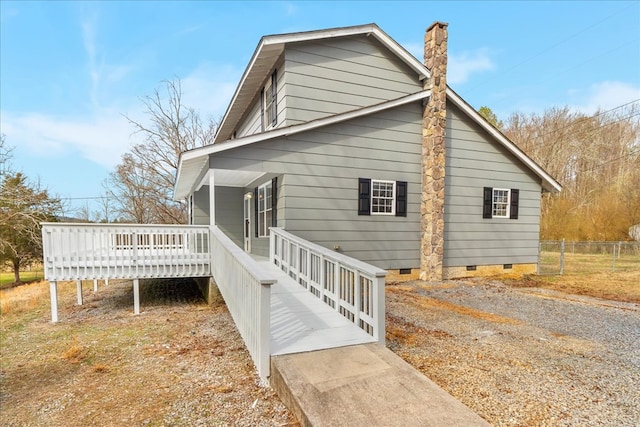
(247,222)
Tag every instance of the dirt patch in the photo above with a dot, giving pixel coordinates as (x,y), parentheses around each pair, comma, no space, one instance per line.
(411,296)
(180,362)
(623,286)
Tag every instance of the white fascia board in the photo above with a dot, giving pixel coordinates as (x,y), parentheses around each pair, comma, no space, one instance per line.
(186,184)
(198,158)
(247,70)
(292,130)
(368,29)
(548,182)
(284,39)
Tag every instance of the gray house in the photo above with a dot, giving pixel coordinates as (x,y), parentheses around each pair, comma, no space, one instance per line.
(343,138)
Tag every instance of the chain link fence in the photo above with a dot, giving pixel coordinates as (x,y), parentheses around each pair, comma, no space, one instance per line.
(561,257)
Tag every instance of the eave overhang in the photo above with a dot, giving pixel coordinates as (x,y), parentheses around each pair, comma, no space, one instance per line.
(271,48)
(194,164)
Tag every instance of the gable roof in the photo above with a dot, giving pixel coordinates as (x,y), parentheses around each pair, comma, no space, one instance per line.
(193,164)
(547,181)
(271,47)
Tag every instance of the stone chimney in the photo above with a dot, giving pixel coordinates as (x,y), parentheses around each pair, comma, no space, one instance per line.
(433,153)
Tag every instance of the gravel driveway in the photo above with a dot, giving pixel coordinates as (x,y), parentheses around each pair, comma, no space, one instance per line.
(522,356)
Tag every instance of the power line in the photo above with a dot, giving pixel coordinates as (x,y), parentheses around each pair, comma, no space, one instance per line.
(587,118)
(547,49)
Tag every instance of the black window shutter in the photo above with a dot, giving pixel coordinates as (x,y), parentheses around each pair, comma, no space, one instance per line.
(274,94)
(255,208)
(262,124)
(364,196)
(274,202)
(487,209)
(401,198)
(515,199)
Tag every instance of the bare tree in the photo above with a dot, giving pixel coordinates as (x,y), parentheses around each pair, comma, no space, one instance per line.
(5,156)
(597,160)
(143,182)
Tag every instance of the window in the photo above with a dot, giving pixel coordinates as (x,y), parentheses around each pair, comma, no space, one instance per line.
(380,197)
(500,208)
(500,203)
(265,207)
(265,195)
(268,103)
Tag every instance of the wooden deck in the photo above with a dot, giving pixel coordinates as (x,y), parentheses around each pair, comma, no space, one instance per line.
(300,322)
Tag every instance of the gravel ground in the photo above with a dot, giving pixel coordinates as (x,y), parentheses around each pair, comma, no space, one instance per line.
(522,356)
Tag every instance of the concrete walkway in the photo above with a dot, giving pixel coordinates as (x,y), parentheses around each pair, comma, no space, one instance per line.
(363,385)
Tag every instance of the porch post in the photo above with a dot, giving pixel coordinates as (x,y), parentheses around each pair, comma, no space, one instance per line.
(53,289)
(212,199)
(79,291)
(136,296)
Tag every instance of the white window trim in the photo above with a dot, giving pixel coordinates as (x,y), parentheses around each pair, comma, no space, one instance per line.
(493,203)
(263,226)
(393,197)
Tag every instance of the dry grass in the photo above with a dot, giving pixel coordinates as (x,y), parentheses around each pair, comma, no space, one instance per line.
(621,286)
(23,298)
(579,264)
(181,362)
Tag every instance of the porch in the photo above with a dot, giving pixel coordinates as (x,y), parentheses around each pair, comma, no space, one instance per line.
(302,298)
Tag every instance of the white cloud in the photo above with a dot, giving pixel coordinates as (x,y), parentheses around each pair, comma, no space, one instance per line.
(101,139)
(459,66)
(462,65)
(104,135)
(605,96)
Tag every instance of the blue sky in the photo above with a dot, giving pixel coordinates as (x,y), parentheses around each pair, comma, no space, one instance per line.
(69,71)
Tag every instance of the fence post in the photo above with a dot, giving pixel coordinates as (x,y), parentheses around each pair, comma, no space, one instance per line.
(613,262)
(562,257)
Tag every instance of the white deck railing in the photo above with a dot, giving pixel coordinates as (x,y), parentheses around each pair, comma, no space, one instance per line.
(246,289)
(124,251)
(353,288)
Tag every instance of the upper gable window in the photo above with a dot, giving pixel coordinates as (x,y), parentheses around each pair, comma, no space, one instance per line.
(269,103)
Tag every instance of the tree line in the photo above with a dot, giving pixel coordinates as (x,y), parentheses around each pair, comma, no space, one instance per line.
(596,159)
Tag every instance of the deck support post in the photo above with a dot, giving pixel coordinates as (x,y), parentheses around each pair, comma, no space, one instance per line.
(79,291)
(53,289)
(95,285)
(136,296)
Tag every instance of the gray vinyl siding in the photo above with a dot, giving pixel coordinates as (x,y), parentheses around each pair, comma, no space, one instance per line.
(318,186)
(472,163)
(252,122)
(229,214)
(201,206)
(332,76)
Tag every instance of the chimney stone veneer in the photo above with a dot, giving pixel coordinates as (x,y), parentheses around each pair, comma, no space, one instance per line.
(433,154)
